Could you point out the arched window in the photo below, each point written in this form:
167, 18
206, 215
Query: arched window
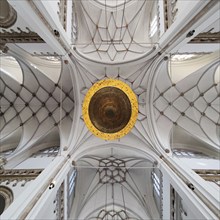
71, 188
47, 152
153, 20
189, 154
156, 177
6, 198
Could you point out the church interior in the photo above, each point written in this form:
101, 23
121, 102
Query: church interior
109, 109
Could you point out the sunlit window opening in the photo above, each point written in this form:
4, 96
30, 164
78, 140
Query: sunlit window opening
153, 26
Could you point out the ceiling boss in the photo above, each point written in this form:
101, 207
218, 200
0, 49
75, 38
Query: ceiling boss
110, 109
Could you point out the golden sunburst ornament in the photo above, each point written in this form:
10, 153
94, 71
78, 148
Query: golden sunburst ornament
110, 109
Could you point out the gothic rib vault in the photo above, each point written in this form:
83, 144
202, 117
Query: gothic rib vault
47, 72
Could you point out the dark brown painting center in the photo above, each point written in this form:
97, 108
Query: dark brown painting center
109, 110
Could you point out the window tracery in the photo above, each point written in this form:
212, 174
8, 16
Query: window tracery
71, 188
154, 20
188, 153
48, 152
156, 177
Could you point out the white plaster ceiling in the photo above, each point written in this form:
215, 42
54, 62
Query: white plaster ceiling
136, 77
43, 107
113, 34
192, 103
36, 105
116, 185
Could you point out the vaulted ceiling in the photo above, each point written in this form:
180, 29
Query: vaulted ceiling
113, 31
44, 81
36, 100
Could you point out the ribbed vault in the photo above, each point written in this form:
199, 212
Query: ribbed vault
37, 107
192, 103
116, 31
40, 107
116, 185
136, 76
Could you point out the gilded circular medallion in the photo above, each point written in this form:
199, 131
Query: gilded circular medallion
110, 109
